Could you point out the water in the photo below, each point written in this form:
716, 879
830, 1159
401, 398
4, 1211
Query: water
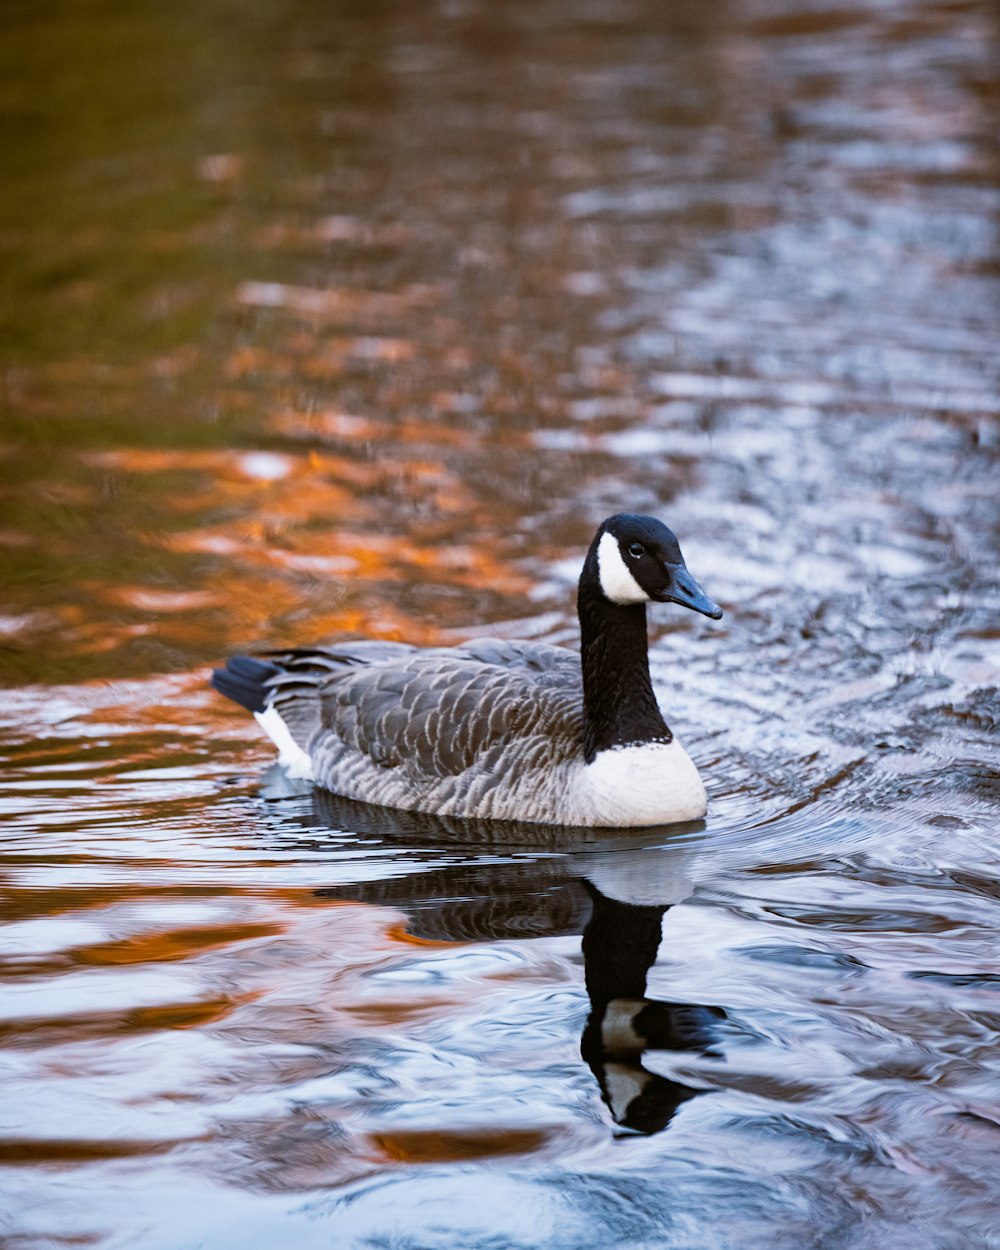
333, 319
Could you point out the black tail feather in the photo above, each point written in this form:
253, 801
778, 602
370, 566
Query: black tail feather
245, 681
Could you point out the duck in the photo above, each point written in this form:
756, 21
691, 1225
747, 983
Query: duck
497, 729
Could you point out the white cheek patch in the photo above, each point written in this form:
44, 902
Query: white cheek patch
617, 581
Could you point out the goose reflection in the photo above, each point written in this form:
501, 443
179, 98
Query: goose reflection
620, 944
614, 890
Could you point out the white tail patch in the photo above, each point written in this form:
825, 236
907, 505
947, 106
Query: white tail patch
291, 757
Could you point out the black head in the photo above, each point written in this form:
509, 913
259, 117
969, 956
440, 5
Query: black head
636, 559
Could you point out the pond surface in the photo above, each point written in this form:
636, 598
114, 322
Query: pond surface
326, 320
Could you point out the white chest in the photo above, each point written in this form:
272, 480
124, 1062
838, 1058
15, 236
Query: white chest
651, 784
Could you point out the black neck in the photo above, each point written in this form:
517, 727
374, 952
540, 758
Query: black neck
619, 706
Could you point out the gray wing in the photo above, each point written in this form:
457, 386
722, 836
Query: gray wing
437, 712
297, 689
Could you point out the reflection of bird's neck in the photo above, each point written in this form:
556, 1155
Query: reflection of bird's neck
620, 708
619, 947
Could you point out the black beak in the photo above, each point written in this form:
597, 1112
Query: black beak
683, 589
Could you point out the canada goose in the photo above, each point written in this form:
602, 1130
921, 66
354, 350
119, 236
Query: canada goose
495, 729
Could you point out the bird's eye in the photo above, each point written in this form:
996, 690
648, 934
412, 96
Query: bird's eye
636, 550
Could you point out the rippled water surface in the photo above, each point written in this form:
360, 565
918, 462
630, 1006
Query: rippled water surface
327, 319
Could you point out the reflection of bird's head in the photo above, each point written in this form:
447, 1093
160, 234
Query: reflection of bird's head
641, 1100
615, 1038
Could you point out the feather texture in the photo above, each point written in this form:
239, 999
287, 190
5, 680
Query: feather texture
494, 729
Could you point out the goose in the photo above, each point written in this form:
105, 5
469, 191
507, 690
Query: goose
496, 729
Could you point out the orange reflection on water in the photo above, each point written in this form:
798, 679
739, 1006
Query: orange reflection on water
316, 536
164, 947
325, 425
444, 1147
